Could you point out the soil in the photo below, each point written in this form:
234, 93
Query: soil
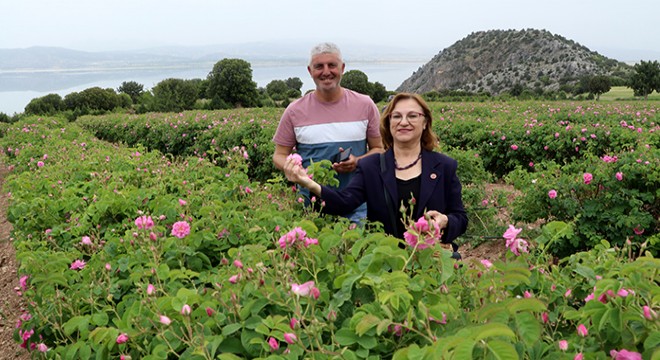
12, 305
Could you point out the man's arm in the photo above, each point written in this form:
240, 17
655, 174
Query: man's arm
280, 154
375, 146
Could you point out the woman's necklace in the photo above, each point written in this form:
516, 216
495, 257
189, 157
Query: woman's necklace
396, 166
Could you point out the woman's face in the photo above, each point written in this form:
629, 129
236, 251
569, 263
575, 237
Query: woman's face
407, 122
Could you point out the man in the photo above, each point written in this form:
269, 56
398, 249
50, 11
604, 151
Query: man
329, 120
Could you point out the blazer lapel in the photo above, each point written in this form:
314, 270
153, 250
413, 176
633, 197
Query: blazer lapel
431, 175
389, 179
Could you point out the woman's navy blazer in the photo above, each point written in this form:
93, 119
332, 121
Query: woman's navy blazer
440, 190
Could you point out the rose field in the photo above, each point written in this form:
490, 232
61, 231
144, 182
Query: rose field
171, 235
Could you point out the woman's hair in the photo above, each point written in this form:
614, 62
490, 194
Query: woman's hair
325, 48
429, 140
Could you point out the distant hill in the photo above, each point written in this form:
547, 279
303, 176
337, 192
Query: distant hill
57, 59
495, 61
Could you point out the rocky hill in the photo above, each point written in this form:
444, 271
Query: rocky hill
495, 61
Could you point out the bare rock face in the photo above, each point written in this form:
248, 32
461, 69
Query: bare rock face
496, 61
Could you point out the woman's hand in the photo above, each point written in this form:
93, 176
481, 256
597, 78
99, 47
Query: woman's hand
438, 218
294, 171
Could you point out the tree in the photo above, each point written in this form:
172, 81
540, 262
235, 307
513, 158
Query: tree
92, 99
277, 90
133, 89
294, 84
598, 84
230, 81
174, 95
50, 104
358, 81
646, 78
379, 92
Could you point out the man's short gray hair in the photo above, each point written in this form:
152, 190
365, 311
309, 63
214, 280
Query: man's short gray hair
325, 48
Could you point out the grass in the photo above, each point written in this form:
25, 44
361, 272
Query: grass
625, 93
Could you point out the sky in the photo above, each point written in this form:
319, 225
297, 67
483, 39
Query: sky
605, 26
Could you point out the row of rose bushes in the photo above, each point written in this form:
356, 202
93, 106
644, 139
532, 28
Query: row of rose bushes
540, 148
129, 253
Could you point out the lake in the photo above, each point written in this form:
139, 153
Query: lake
18, 88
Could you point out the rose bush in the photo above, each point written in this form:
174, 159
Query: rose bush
248, 274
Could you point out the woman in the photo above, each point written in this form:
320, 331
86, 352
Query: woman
409, 176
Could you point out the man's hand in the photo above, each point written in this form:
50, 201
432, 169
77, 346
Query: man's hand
346, 166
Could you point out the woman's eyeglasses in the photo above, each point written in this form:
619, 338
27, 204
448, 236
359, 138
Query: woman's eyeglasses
412, 116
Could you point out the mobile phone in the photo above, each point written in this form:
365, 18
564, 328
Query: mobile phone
343, 155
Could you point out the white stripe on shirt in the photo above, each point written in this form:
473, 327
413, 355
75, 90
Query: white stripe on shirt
333, 132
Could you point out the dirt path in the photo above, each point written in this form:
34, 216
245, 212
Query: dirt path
10, 303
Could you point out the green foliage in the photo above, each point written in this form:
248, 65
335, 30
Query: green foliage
174, 95
133, 89
93, 100
47, 105
646, 78
277, 90
379, 92
358, 81
231, 82
597, 85
294, 84
236, 268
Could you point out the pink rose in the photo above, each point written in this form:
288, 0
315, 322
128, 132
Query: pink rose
582, 330
302, 289
165, 320
273, 343
587, 177
181, 229
563, 345
625, 355
122, 338
296, 158
619, 176
552, 194
185, 310
290, 338
77, 265
511, 233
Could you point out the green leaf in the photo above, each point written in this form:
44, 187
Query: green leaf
586, 272
490, 330
653, 340
81, 323
345, 337
615, 320
367, 342
227, 356
526, 304
72, 351
366, 323
329, 240
529, 328
464, 349
231, 328
383, 325
502, 350
85, 351
103, 335
100, 319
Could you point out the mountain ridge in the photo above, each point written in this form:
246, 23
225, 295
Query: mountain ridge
496, 61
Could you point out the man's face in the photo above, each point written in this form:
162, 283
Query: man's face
326, 71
